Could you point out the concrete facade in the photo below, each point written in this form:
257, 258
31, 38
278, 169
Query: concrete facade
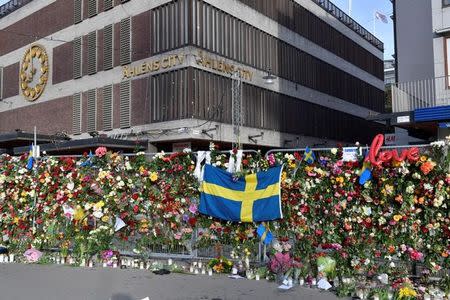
54, 111
414, 40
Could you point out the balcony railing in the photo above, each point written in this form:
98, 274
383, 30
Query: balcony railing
11, 6
349, 22
409, 96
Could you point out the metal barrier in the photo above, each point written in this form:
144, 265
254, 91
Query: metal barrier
329, 149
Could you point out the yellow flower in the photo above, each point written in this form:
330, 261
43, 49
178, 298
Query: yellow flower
99, 205
79, 214
153, 176
397, 218
283, 176
105, 218
406, 292
340, 179
292, 165
423, 158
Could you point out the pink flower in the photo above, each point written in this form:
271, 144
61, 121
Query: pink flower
280, 263
415, 255
193, 208
271, 159
32, 255
100, 151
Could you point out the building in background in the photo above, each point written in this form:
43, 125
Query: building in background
162, 71
389, 72
421, 96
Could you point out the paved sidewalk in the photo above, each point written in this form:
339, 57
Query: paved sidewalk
48, 282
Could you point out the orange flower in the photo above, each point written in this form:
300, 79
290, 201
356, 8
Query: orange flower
427, 167
391, 249
444, 253
399, 198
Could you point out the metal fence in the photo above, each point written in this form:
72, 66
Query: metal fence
11, 6
349, 22
408, 96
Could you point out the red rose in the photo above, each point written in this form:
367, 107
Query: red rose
192, 221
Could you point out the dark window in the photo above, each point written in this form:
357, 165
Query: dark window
77, 11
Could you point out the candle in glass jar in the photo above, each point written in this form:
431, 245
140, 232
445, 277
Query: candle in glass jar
210, 272
313, 281
11, 257
91, 264
196, 271
203, 271
141, 265
191, 269
301, 281
169, 262
105, 264
115, 264
257, 277
200, 264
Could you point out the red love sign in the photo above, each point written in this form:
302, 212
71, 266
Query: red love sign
377, 158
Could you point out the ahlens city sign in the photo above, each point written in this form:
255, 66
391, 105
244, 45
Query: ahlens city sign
222, 66
163, 63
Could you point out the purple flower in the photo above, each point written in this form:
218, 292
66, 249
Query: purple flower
107, 254
193, 208
185, 218
32, 255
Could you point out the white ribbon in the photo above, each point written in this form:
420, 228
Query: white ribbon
235, 165
199, 170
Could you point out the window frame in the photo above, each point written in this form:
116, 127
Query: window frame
444, 4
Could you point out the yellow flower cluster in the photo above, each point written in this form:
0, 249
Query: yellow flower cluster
406, 292
153, 176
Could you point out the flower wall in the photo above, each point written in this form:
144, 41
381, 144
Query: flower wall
401, 214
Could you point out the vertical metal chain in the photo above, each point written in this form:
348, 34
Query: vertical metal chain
236, 94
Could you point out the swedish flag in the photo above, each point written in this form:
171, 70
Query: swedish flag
309, 156
253, 198
30, 161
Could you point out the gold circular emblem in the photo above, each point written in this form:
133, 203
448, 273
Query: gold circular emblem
33, 73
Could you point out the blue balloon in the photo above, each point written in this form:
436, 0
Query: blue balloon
365, 176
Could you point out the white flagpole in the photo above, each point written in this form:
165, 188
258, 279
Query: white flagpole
350, 8
34, 149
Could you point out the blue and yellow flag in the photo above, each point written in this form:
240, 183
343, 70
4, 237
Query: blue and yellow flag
309, 156
253, 198
30, 161
264, 233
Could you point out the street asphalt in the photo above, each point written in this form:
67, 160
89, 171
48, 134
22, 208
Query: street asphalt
48, 282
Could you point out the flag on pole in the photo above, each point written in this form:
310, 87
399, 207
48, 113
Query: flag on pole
252, 198
381, 17
30, 158
309, 156
264, 233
